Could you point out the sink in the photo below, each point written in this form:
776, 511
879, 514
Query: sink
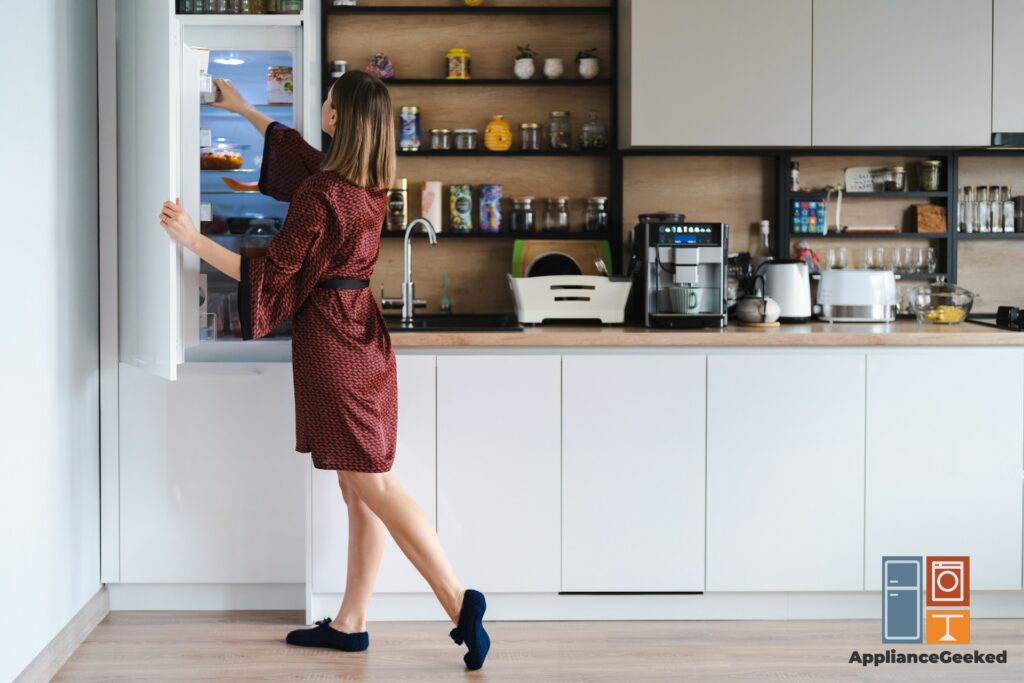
467, 322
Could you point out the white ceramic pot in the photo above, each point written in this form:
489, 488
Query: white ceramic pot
553, 67
588, 67
524, 68
756, 309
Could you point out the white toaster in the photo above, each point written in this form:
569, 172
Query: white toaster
857, 296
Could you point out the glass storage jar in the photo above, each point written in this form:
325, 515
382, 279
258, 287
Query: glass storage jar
559, 134
465, 138
593, 134
595, 218
557, 215
896, 179
521, 218
529, 137
440, 138
929, 175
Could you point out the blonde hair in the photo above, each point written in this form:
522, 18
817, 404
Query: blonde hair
362, 148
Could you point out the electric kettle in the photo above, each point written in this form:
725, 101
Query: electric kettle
789, 284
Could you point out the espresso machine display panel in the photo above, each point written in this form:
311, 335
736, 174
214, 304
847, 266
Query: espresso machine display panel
682, 279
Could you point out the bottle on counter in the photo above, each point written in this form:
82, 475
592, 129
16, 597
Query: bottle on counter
764, 249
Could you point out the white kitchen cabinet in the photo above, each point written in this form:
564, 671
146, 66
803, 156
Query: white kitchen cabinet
785, 463
415, 468
907, 73
633, 482
729, 72
211, 489
1007, 66
944, 457
498, 469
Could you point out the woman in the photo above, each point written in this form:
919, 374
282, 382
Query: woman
318, 269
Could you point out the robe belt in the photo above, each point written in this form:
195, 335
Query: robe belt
343, 283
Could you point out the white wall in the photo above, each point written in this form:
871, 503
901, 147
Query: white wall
49, 389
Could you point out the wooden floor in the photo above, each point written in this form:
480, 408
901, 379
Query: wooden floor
249, 646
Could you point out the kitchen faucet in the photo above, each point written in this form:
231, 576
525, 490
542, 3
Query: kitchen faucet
408, 301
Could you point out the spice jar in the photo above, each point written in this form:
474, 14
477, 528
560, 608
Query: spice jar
929, 175
529, 137
458, 63
440, 138
559, 135
557, 215
595, 219
896, 179
465, 138
521, 218
592, 133
409, 138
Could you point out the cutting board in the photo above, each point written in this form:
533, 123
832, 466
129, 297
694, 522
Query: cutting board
584, 252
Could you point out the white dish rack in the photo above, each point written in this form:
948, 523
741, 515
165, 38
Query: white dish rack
569, 296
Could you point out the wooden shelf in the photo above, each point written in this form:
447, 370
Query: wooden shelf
527, 82
507, 234
871, 235
820, 194
509, 153
463, 9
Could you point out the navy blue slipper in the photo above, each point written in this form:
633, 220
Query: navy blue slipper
470, 629
325, 636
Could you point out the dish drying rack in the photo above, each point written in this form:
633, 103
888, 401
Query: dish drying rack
577, 297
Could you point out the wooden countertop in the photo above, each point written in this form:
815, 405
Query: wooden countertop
815, 334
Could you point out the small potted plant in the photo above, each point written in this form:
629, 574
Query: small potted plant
587, 63
524, 66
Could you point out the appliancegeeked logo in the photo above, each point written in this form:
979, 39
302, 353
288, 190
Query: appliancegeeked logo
926, 600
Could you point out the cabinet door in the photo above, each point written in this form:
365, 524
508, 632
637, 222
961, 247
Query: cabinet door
1007, 66
498, 432
785, 472
729, 72
944, 459
913, 72
414, 467
633, 481
211, 488
149, 149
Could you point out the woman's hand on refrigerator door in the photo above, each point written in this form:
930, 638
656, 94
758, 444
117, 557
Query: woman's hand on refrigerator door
230, 98
178, 224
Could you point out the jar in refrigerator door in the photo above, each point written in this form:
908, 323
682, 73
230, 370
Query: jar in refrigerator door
290, 6
280, 86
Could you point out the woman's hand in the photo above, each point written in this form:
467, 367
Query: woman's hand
231, 99
178, 224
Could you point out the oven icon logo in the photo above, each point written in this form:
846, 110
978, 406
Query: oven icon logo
939, 603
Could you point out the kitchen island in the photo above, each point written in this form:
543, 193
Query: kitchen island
577, 471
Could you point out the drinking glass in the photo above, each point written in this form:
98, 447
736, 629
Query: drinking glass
908, 260
932, 260
841, 261
869, 258
897, 260
880, 258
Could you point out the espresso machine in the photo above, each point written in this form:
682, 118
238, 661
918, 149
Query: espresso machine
680, 269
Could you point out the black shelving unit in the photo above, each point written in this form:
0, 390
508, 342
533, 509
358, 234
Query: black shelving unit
609, 82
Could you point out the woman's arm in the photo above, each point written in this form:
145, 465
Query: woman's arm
178, 224
233, 101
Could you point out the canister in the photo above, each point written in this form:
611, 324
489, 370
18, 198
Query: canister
465, 138
490, 208
522, 214
398, 204
409, 135
461, 208
440, 138
458, 63
430, 202
529, 137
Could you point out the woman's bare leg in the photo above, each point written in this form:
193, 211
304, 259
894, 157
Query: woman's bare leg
366, 537
412, 530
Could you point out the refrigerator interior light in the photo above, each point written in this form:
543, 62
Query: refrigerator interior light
231, 60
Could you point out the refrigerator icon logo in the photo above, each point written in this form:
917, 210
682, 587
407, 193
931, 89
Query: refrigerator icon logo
946, 585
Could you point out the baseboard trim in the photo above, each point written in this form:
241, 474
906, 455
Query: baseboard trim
206, 596
52, 657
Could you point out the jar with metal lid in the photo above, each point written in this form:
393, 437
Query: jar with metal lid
593, 134
440, 138
521, 218
896, 179
559, 134
930, 175
398, 205
557, 215
409, 136
465, 138
595, 218
458, 63
529, 137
